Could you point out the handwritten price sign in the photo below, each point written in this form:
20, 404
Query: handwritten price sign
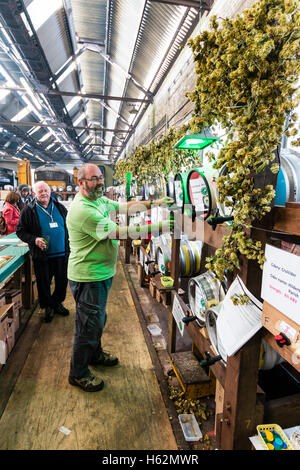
281, 282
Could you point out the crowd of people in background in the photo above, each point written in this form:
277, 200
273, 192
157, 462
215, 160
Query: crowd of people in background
15, 201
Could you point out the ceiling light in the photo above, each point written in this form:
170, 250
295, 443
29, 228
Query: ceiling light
197, 141
21, 114
30, 92
67, 72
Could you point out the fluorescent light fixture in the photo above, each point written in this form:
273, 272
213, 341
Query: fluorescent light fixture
72, 103
3, 94
45, 137
88, 137
21, 114
27, 151
41, 10
39, 158
196, 141
67, 72
33, 130
31, 94
79, 119
9, 81
50, 146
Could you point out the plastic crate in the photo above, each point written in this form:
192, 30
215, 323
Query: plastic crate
262, 428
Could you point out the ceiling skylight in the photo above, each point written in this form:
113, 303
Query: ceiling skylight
41, 10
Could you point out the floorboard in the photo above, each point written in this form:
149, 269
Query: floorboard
128, 414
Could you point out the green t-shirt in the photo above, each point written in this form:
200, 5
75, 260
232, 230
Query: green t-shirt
93, 256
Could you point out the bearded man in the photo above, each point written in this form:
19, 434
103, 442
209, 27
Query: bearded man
92, 264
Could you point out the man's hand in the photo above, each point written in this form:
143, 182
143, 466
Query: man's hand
163, 201
40, 242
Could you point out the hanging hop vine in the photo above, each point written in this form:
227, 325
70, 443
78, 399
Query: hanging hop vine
247, 70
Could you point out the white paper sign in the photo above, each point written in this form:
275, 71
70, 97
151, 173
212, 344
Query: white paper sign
281, 282
178, 314
236, 324
196, 188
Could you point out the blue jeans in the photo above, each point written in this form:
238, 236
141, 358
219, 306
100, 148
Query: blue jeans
90, 298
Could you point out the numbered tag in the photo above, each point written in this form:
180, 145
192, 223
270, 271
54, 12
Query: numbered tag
53, 224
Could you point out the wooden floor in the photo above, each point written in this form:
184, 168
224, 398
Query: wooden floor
128, 414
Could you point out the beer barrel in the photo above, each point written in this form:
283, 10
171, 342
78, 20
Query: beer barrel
189, 256
170, 186
201, 185
204, 291
288, 179
180, 189
211, 328
269, 358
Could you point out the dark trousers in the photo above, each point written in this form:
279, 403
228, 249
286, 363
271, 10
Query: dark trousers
91, 299
44, 273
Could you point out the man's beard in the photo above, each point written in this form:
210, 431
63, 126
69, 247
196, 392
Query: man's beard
96, 192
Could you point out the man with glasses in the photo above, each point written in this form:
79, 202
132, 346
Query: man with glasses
92, 264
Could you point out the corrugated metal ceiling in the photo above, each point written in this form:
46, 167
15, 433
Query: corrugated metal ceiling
120, 48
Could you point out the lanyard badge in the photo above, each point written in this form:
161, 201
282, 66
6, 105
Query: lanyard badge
52, 224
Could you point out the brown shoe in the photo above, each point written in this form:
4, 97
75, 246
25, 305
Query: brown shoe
88, 384
105, 359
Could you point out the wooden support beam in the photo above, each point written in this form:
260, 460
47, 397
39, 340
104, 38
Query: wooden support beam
175, 273
239, 413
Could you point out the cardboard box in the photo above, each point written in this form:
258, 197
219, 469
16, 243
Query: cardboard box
14, 296
7, 332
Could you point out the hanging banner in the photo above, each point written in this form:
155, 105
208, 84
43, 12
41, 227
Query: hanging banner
281, 282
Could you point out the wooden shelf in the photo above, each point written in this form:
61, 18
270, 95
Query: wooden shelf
287, 219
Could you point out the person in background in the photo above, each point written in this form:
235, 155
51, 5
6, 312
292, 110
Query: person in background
92, 266
11, 212
30, 196
42, 225
23, 191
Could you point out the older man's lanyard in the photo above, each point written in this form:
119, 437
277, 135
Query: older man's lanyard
52, 224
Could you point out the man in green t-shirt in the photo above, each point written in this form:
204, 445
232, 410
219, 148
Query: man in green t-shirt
92, 264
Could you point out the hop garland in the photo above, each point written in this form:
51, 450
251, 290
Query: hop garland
247, 70
157, 158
